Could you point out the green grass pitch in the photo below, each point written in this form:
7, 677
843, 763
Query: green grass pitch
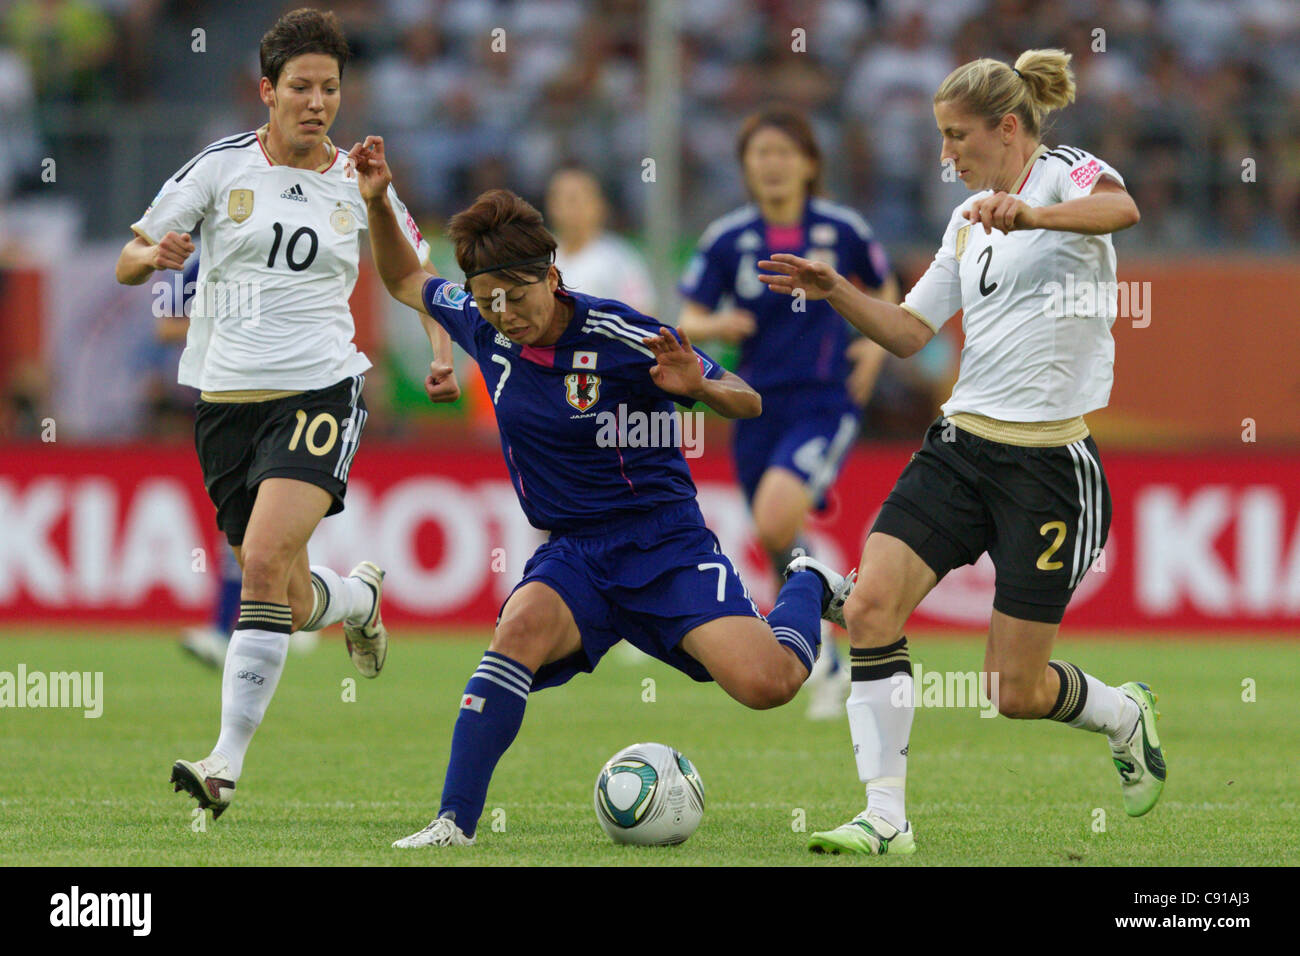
334, 782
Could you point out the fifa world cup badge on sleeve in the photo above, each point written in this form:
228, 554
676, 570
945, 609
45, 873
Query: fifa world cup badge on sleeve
962, 235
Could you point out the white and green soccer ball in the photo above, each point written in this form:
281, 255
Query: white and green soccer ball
649, 795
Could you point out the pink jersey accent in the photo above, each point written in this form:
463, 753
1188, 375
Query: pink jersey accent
621, 470
782, 238
522, 490
542, 356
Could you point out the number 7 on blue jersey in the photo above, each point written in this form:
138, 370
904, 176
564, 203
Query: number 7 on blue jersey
505, 374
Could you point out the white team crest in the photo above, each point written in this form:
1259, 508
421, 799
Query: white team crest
582, 390
240, 206
822, 234
342, 220
748, 240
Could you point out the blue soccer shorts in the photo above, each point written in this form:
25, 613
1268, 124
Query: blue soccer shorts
805, 431
648, 579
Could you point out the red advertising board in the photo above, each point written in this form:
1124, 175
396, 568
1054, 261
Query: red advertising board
126, 534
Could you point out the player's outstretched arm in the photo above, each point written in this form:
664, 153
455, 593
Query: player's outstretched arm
395, 261
677, 370
140, 258
887, 324
731, 325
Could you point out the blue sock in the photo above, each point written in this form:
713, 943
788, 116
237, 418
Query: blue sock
797, 618
491, 711
226, 612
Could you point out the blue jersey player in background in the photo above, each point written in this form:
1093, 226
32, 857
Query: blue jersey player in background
574, 380
812, 371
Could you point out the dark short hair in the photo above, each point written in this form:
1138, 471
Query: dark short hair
298, 32
501, 228
795, 125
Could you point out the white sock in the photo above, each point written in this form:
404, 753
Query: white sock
338, 598
880, 722
1106, 710
254, 663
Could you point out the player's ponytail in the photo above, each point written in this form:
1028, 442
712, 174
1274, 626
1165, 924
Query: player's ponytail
1040, 82
502, 234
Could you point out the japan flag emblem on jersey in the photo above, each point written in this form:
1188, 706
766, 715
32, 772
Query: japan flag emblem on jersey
582, 390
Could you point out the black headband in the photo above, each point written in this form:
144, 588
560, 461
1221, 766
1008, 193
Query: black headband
1017, 73
535, 261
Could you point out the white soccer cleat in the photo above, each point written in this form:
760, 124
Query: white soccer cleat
835, 587
368, 642
443, 831
207, 781
207, 644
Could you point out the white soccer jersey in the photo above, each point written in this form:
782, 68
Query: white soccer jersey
608, 268
279, 260
1037, 304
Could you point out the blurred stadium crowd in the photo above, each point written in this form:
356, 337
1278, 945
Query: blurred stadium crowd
1185, 97
1175, 93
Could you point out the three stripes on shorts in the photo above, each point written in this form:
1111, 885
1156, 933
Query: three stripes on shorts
1089, 528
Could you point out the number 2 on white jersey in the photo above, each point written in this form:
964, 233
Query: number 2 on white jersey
505, 374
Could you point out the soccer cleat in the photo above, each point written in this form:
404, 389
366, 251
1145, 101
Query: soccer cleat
835, 587
207, 781
1138, 758
443, 831
207, 644
868, 833
368, 642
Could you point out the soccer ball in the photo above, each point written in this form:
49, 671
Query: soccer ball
650, 795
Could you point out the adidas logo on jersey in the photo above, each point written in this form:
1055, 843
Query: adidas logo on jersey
502, 341
295, 193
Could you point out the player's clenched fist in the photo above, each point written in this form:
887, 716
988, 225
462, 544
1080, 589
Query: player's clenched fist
172, 251
816, 279
440, 384
367, 161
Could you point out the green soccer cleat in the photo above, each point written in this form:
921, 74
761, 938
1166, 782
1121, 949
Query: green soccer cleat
867, 833
1138, 757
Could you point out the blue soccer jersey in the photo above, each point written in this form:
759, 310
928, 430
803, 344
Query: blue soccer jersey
587, 435
789, 347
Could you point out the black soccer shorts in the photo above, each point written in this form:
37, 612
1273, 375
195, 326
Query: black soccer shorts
1042, 514
311, 436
